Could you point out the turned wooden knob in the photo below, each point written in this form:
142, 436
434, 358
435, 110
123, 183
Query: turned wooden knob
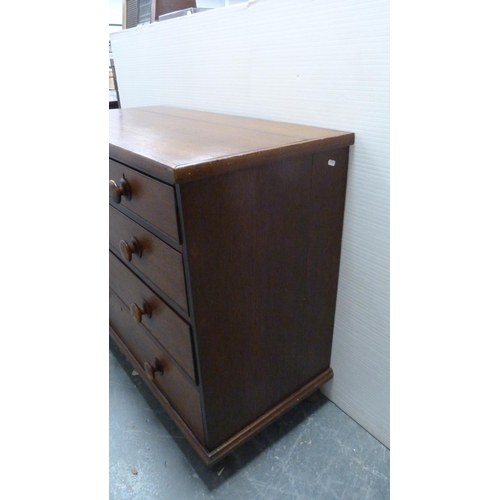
151, 370
138, 312
117, 190
127, 249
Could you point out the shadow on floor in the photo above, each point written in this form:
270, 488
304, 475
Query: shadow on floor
241, 457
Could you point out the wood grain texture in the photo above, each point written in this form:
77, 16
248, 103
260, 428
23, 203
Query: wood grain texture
151, 200
159, 262
173, 384
169, 329
259, 212
267, 418
178, 145
326, 214
212, 457
256, 253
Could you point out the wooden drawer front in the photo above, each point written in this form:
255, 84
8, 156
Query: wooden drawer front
151, 200
181, 393
159, 262
163, 323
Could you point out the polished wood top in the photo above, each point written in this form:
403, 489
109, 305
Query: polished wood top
179, 145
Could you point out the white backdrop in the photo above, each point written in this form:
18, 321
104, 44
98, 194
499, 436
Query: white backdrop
323, 63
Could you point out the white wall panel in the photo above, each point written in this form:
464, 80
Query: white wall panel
323, 63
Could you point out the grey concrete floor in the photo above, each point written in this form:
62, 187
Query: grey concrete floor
314, 452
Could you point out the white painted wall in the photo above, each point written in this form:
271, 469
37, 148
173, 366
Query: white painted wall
323, 63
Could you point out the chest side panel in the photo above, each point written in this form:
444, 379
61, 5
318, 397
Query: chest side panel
246, 240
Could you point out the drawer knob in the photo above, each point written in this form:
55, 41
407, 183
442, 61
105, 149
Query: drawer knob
152, 370
127, 249
116, 191
138, 312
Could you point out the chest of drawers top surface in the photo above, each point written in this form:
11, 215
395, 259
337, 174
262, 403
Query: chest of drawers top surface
178, 145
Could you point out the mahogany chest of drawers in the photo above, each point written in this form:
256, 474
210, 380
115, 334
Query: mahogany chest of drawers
224, 238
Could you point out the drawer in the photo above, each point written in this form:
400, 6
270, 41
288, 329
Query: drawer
147, 308
151, 200
159, 262
157, 365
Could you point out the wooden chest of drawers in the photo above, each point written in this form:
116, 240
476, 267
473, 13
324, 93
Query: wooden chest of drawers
224, 238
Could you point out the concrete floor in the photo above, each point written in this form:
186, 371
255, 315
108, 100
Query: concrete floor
314, 452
